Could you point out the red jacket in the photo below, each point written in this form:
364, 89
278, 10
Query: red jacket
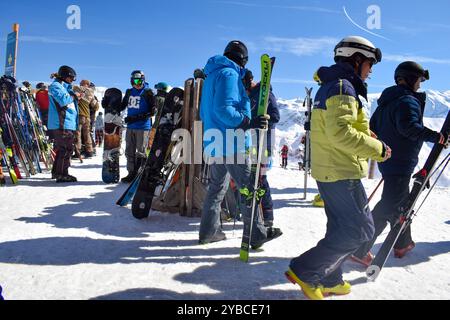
284, 152
42, 100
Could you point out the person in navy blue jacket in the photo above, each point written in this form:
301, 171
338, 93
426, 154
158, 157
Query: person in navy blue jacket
140, 104
225, 106
398, 121
63, 121
253, 90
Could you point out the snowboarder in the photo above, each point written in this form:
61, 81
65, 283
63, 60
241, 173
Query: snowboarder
63, 121
83, 134
253, 90
162, 89
99, 127
140, 103
225, 105
284, 156
341, 144
398, 120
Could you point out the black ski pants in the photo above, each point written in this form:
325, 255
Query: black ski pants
395, 191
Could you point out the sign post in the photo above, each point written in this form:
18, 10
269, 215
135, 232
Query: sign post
11, 51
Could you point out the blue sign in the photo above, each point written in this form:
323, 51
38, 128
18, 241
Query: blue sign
11, 46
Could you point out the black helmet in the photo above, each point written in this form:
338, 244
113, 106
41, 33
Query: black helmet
411, 71
237, 51
67, 72
137, 77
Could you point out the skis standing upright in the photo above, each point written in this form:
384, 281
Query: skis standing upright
307, 157
267, 64
407, 208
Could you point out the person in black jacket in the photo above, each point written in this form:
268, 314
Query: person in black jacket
398, 121
253, 90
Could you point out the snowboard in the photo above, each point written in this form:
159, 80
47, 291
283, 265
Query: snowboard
153, 173
113, 135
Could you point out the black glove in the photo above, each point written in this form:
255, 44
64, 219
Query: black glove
259, 122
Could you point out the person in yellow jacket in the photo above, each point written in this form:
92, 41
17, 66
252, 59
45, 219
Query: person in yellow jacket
341, 144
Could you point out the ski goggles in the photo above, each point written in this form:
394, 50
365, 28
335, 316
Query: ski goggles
137, 82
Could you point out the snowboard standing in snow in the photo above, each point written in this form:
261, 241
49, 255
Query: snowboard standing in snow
266, 73
422, 179
152, 175
113, 135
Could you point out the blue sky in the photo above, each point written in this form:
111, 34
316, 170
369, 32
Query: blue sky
169, 39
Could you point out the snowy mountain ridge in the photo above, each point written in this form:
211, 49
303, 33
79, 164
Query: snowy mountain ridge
290, 129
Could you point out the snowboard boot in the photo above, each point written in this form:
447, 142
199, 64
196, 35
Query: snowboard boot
129, 178
219, 236
310, 291
272, 233
365, 261
65, 179
88, 155
400, 253
340, 290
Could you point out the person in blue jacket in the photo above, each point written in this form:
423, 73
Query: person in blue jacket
140, 104
63, 121
253, 90
398, 121
225, 106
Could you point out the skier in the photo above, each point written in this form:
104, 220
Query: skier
140, 103
63, 121
99, 127
83, 134
226, 106
42, 102
284, 156
253, 90
398, 120
341, 143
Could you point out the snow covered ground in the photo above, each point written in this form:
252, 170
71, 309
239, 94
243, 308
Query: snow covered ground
72, 242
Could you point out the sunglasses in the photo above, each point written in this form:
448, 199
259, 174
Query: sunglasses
138, 82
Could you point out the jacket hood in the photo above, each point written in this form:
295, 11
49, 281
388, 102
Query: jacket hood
341, 70
392, 93
219, 62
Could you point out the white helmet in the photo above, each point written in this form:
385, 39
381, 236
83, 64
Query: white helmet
348, 46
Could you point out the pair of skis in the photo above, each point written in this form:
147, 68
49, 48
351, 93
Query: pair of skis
407, 210
267, 64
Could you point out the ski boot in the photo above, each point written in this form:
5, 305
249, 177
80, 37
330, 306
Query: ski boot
318, 201
400, 253
365, 261
311, 292
340, 290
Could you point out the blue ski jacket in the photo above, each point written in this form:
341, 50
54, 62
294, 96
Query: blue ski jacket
398, 121
63, 108
224, 105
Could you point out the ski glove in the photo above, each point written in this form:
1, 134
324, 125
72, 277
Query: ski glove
444, 139
259, 122
387, 152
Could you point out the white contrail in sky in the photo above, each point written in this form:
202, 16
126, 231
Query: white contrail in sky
364, 29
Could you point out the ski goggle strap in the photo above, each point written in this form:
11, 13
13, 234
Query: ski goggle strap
375, 51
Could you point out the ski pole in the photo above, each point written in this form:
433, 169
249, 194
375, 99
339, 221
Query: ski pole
374, 191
